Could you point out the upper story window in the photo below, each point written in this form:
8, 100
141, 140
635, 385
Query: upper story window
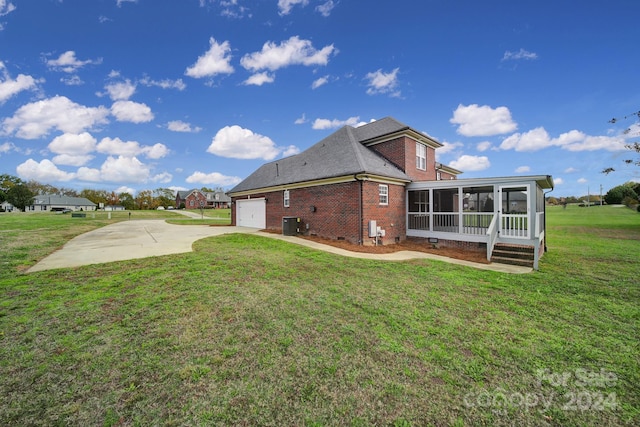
286, 198
383, 191
421, 156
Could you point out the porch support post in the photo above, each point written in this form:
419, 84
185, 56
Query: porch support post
431, 209
460, 210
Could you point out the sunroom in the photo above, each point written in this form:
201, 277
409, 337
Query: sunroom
507, 211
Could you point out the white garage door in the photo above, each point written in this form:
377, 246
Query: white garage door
251, 213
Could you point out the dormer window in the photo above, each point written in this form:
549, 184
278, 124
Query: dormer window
421, 156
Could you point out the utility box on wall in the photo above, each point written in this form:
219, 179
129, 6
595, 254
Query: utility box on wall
373, 228
290, 225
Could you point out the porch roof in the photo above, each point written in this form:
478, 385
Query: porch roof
543, 181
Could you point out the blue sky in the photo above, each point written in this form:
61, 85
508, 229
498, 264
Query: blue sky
128, 95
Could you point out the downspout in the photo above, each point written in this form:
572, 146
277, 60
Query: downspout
360, 214
544, 201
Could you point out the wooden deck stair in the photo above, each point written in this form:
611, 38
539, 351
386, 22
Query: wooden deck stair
513, 254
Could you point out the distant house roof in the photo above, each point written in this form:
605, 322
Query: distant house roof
51, 200
339, 154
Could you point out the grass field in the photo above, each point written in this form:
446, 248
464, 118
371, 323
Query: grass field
248, 330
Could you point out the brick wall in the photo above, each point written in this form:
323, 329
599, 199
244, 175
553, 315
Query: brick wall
402, 153
333, 211
390, 218
196, 197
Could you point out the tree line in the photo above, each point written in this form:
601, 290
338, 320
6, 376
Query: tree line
21, 193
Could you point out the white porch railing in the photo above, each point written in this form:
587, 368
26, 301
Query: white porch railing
419, 221
492, 234
514, 225
539, 223
476, 222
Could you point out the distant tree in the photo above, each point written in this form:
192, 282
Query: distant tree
39, 188
634, 147
113, 199
96, 196
127, 201
617, 194
552, 200
6, 182
145, 200
70, 192
20, 196
164, 197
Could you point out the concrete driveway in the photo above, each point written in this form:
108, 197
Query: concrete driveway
146, 238
129, 240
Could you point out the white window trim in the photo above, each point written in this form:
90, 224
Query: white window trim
286, 198
383, 194
421, 156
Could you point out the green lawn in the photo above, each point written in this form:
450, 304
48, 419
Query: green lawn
248, 330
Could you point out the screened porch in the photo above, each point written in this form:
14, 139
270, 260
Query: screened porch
487, 210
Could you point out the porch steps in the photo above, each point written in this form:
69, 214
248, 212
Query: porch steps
513, 254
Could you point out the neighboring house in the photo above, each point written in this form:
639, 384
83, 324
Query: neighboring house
6, 207
54, 203
379, 184
196, 199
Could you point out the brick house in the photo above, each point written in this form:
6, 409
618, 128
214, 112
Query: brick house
379, 184
195, 199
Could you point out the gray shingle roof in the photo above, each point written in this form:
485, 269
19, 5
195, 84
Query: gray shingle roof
339, 154
47, 199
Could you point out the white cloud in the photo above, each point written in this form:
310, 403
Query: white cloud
129, 111
36, 119
156, 151
164, 84
475, 120
258, 79
215, 61
448, 147
321, 124
523, 169
10, 87
320, 82
121, 91
213, 178
582, 181
73, 149
483, 146
120, 2
570, 170
290, 151
125, 189
6, 7
301, 120
115, 146
7, 147
68, 63
521, 54
45, 171
558, 181
326, 8
285, 6
119, 169
74, 80
468, 163
380, 82
164, 177
239, 143
538, 138
294, 51
180, 126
